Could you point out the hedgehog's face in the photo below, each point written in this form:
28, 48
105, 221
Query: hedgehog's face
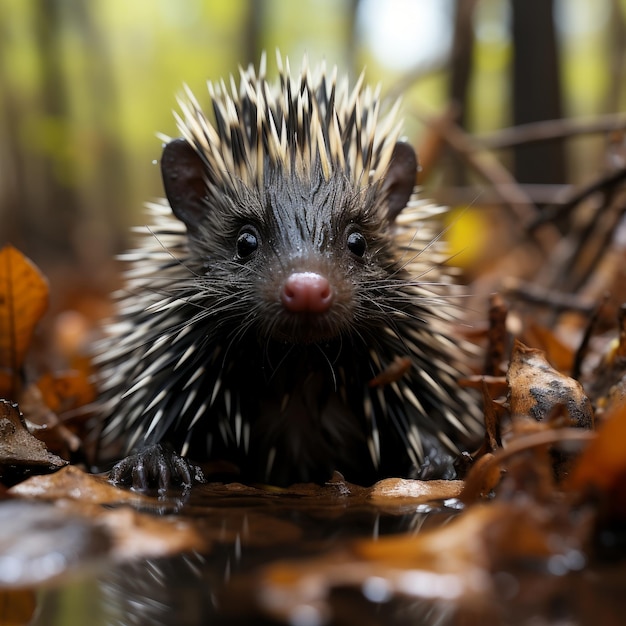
303, 252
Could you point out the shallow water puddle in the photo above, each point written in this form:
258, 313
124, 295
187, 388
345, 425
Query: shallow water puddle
309, 555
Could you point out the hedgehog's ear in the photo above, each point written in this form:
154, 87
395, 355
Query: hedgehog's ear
183, 175
400, 178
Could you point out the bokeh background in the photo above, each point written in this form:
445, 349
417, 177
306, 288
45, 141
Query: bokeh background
86, 85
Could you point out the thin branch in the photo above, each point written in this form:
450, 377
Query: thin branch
486, 166
551, 129
604, 184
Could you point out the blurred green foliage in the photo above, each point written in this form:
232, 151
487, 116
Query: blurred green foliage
85, 87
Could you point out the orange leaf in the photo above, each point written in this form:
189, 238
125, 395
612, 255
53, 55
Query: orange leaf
558, 353
23, 301
17, 606
65, 390
603, 464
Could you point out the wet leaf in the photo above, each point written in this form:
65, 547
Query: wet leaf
73, 483
537, 389
398, 491
40, 542
482, 537
603, 464
18, 447
132, 534
23, 301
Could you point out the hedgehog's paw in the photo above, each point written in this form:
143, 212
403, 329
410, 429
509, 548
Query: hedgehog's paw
157, 467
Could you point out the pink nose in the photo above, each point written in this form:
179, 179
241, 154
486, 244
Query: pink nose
306, 292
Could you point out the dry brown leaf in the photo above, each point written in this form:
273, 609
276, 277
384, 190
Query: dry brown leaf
23, 301
611, 368
496, 385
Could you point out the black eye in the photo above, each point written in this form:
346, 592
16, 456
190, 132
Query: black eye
247, 243
356, 243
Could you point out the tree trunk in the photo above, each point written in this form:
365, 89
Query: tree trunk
536, 89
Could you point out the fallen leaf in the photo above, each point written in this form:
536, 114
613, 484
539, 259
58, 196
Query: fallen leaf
65, 390
45, 424
536, 389
72, 482
403, 491
481, 479
557, 352
18, 448
23, 301
603, 463
133, 534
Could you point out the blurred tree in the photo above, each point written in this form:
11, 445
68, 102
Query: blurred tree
58, 197
616, 44
103, 212
64, 134
84, 86
537, 89
254, 27
461, 69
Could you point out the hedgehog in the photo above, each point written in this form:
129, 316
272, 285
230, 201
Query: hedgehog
288, 313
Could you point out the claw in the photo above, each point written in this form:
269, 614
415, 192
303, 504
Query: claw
157, 467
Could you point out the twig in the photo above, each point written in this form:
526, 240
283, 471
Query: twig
551, 129
605, 183
583, 348
554, 300
486, 165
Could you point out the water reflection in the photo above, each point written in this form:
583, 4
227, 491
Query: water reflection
249, 530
